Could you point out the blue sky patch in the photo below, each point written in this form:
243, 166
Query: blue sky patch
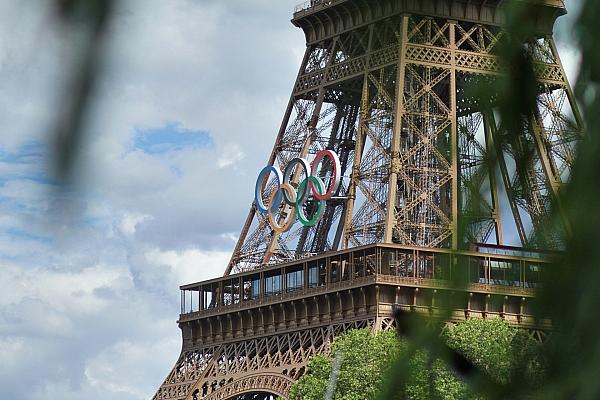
171, 137
28, 153
20, 234
29, 161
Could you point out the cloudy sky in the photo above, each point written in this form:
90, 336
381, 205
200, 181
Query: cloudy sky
186, 111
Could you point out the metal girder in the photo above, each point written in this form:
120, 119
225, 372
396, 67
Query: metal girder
391, 98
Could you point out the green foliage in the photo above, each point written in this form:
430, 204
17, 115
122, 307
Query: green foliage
429, 379
370, 363
570, 296
366, 358
486, 343
498, 349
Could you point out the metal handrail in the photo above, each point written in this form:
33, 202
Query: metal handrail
307, 5
303, 6
330, 287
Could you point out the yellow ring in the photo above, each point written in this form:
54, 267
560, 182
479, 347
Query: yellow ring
292, 215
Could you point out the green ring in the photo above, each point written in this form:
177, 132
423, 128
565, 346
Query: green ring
318, 183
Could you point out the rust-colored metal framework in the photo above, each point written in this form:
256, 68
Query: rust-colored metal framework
256, 331
384, 83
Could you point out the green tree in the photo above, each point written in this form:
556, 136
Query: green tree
366, 359
369, 363
501, 351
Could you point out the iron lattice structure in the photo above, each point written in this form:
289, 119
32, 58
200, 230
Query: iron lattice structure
413, 163
426, 169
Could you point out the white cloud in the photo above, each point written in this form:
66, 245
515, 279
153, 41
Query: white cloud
190, 265
130, 221
89, 276
231, 155
106, 369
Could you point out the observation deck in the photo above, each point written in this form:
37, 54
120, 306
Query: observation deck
324, 18
364, 282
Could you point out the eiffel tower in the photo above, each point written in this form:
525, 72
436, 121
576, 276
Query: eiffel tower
413, 185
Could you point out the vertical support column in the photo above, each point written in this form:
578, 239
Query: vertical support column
549, 168
494, 143
221, 296
378, 325
182, 299
454, 140
395, 149
489, 149
569, 89
359, 146
201, 298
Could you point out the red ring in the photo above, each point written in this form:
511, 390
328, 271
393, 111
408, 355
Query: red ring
335, 183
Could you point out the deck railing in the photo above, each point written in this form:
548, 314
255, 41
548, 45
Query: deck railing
518, 273
307, 5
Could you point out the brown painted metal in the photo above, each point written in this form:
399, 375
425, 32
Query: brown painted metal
238, 340
384, 84
410, 178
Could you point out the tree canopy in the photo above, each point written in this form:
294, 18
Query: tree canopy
366, 362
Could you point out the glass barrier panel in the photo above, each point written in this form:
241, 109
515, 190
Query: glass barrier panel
406, 267
425, 266
193, 300
322, 272
272, 284
313, 275
340, 268
466, 270
209, 298
345, 264
236, 290
251, 288
228, 293
359, 265
482, 266
533, 275
371, 262
295, 280
388, 261
505, 273
335, 271
441, 267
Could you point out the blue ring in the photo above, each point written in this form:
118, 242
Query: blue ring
264, 173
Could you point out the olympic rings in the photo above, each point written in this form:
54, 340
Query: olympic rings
312, 185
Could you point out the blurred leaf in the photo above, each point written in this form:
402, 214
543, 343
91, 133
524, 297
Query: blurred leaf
85, 21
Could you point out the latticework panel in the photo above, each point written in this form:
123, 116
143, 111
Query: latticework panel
270, 363
479, 192
414, 169
370, 178
422, 203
